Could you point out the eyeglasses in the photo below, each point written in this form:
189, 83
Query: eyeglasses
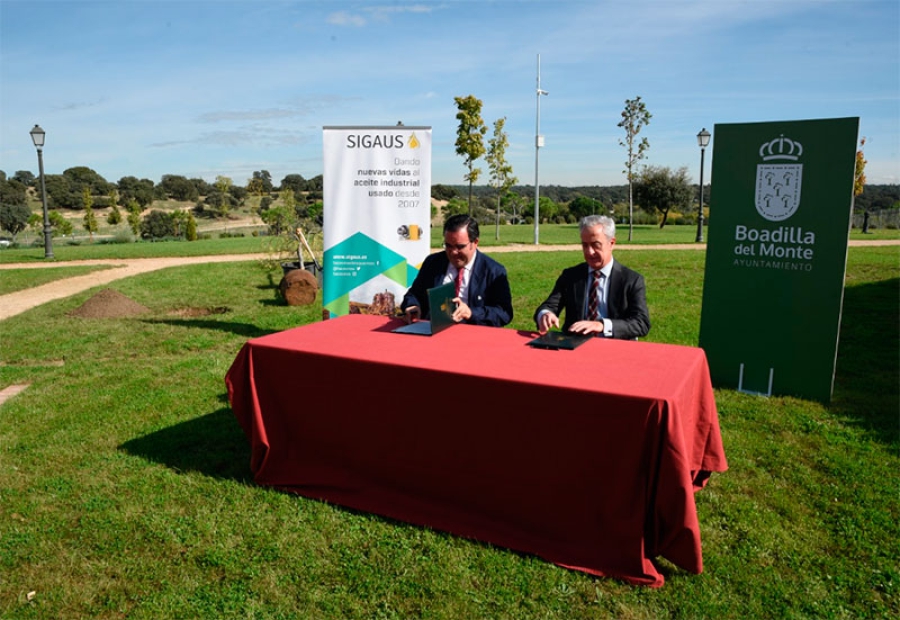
459, 247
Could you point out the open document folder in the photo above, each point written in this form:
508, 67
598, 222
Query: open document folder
440, 300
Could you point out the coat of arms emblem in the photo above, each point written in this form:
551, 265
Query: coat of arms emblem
778, 183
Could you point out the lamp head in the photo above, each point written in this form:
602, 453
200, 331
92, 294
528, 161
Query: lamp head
37, 136
703, 138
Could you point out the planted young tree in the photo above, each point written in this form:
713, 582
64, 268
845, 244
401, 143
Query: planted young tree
90, 219
662, 189
501, 171
223, 185
134, 216
470, 137
114, 217
859, 180
58, 224
190, 228
634, 117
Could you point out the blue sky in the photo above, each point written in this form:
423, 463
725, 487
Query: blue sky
213, 88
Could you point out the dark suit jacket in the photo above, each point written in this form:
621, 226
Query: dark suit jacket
489, 295
626, 302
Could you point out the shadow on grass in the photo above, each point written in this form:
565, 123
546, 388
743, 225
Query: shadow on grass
867, 377
213, 444
247, 330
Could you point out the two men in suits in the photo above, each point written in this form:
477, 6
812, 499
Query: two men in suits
614, 307
483, 296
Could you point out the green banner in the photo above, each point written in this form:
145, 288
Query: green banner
780, 210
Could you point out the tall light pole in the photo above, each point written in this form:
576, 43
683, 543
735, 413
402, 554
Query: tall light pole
37, 136
538, 143
703, 141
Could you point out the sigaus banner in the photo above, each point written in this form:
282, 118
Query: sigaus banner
377, 215
780, 211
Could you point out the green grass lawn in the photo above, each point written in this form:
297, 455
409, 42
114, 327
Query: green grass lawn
125, 488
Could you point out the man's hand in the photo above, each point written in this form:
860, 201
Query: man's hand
412, 314
546, 321
462, 312
587, 327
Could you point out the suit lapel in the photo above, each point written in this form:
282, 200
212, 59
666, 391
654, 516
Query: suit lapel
614, 291
441, 271
475, 280
580, 285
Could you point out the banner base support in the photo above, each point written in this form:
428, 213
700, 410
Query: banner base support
741, 383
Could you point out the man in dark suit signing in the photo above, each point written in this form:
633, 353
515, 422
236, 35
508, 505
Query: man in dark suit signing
482, 286
600, 296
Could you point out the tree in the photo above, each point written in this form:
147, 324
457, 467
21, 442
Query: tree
278, 219
501, 171
261, 182
223, 184
12, 192
25, 177
134, 216
289, 200
582, 206
114, 217
58, 224
255, 187
90, 220
82, 176
178, 187
634, 117
859, 176
294, 182
470, 137
203, 188
660, 188
61, 193
859, 180
157, 225
179, 221
14, 218
190, 228
443, 192
139, 189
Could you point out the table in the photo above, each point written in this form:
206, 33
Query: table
587, 458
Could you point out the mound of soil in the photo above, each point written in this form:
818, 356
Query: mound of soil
109, 304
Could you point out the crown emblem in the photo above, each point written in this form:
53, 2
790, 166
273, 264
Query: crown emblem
781, 148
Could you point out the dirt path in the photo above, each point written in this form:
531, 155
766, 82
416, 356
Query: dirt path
20, 301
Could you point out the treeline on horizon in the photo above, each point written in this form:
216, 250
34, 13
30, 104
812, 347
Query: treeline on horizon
67, 190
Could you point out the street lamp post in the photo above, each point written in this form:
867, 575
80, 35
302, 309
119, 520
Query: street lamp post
37, 136
538, 143
703, 141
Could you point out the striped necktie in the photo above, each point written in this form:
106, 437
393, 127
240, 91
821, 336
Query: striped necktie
594, 302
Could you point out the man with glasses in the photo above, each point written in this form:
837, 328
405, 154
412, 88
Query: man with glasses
599, 296
482, 286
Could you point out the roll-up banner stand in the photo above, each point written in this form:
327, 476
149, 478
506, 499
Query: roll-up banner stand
780, 212
377, 215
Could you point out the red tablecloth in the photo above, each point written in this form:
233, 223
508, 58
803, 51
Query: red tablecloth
588, 458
